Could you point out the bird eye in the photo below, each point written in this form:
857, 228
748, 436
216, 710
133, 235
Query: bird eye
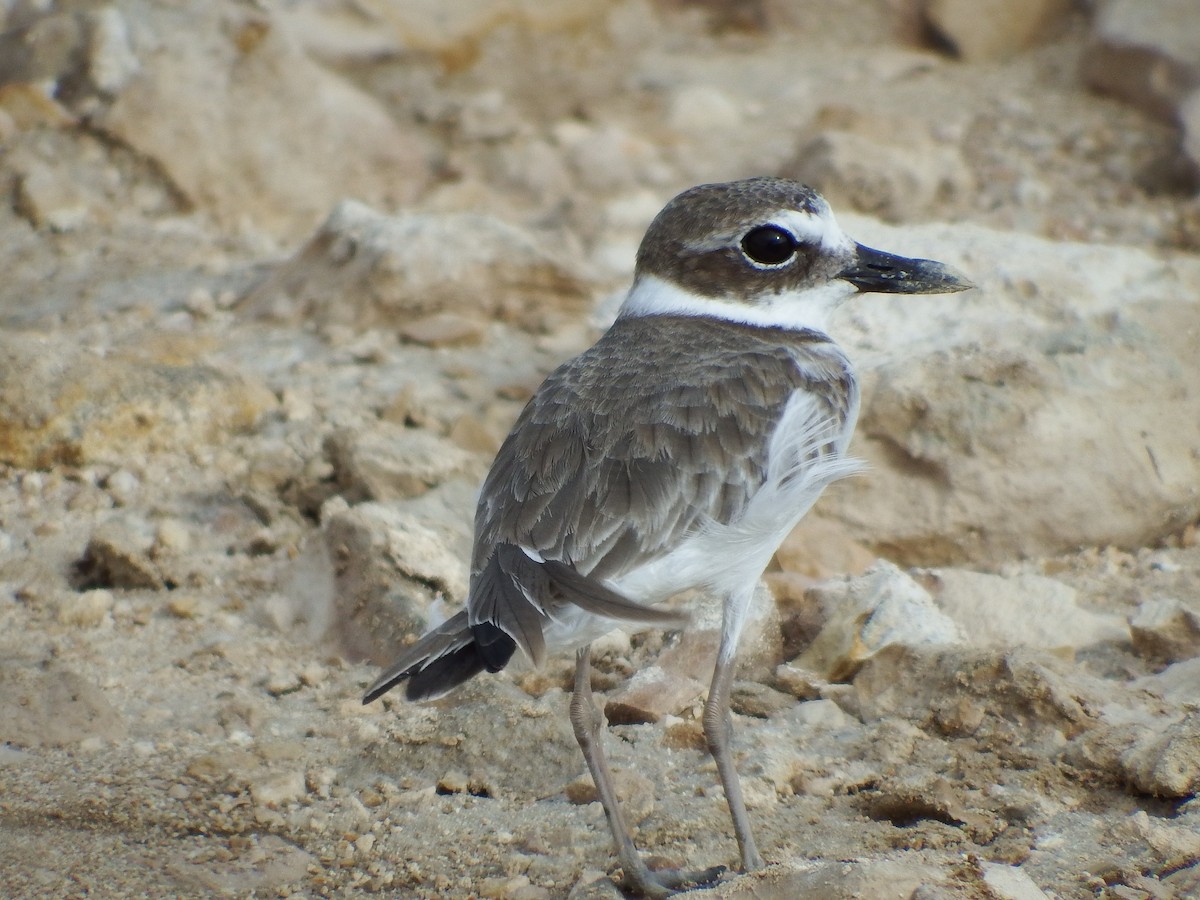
769, 245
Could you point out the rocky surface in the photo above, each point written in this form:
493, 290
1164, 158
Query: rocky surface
277, 279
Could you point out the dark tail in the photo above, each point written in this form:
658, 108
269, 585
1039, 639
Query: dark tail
444, 658
513, 596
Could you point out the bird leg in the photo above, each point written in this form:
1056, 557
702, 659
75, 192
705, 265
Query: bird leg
588, 723
718, 729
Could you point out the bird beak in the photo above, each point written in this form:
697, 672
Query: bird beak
873, 271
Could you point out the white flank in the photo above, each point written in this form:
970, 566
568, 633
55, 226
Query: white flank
806, 309
727, 558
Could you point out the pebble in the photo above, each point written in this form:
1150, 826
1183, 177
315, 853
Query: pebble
85, 610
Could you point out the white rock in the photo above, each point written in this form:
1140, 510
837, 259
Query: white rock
1010, 883
111, 61
1021, 611
880, 608
278, 788
87, 609
390, 462
1176, 684
249, 128
364, 269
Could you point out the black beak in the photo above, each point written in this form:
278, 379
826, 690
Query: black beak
873, 271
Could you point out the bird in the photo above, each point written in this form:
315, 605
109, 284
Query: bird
674, 454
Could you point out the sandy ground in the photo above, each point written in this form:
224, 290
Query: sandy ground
208, 542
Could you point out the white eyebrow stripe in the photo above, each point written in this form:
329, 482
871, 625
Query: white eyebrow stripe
820, 228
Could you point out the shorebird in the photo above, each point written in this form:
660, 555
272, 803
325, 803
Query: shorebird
676, 453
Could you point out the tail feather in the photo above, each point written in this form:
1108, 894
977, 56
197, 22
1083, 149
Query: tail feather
445, 673
513, 599
448, 640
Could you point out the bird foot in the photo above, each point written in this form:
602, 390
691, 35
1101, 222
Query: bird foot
654, 884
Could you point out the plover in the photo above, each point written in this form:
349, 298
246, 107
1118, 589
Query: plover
676, 453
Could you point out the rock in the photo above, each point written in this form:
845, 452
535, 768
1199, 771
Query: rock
822, 548
881, 608
117, 556
1166, 630
363, 269
49, 199
26, 106
390, 462
862, 166
1020, 611
390, 564
87, 609
609, 158
991, 29
694, 652
1010, 883
53, 707
1014, 696
61, 404
749, 698
879, 879
1045, 363
248, 128
274, 789
1147, 52
634, 791
1167, 764
651, 694
110, 58
1176, 684
444, 330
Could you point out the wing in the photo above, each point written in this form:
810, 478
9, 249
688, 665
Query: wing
662, 425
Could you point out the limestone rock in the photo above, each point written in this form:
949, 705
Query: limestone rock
117, 556
1016, 696
204, 105
820, 547
997, 421
880, 879
1021, 611
989, 29
1167, 764
1010, 883
390, 565
61, 405
1166, 629
651, 694
876, 174
881, 608
390, 462
1146, 52
364, 269
53, 707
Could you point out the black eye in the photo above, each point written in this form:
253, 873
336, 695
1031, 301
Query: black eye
769, 245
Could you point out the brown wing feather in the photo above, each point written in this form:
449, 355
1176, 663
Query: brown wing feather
593, 473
